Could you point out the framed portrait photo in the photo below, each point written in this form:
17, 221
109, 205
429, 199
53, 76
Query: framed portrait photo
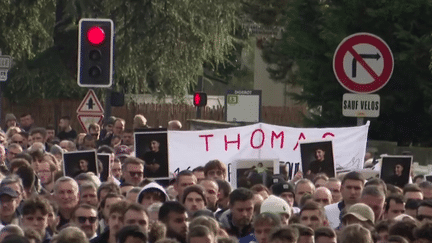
77, 162
317, 158
152, 147
395, 170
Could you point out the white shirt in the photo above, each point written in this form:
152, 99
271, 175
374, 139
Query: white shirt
333, 215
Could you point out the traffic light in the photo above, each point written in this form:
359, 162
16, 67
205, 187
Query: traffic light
200, 99
95, 52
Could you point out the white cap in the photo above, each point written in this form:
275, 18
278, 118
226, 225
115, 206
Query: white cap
274, 204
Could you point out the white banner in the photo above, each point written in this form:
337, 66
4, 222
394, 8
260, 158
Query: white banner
190, 149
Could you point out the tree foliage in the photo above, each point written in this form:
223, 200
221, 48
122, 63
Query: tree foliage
312, 31
160, 46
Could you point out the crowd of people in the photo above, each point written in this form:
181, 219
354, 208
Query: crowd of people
39, 204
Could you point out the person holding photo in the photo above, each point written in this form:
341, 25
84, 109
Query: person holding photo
155, 161
320, 165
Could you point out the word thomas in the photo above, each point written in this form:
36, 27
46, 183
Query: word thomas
280, 137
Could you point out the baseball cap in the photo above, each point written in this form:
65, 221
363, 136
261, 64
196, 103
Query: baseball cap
123, 151
276, 205
110, 120
10, 117
4, 190
362, 212
282, 187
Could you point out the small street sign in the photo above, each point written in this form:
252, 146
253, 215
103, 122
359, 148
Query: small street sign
90, 104
3, 74
243, 106
361, 105
86, 119
5, 62
363, 63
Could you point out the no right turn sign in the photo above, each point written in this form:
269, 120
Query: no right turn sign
363, 63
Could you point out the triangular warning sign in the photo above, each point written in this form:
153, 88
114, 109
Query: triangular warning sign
90, 104
86, 120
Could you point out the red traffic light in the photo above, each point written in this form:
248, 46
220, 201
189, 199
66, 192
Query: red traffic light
200, 99
96, 35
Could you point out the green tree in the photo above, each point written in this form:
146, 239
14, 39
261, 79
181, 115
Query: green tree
160, 46
313, 30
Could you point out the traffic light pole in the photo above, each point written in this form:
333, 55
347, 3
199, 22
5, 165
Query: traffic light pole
200, 88
107, 104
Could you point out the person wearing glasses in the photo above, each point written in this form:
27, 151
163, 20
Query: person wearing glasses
12, 150
156, 163
133, 171
85, 217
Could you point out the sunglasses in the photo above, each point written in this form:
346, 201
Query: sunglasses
82, 220
133, 174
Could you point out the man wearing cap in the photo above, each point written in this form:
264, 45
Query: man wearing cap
277, 205
285, 191
122, 152
194, 199
359, 213
11, 121
9, 204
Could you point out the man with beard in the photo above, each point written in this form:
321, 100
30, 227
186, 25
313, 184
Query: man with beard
136, 214
114, 222
85, 217
173, 215
238, 221
66, 196
211, 188
194, 199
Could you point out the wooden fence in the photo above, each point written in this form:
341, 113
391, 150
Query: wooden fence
47, 112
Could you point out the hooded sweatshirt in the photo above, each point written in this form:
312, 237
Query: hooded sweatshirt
152, 186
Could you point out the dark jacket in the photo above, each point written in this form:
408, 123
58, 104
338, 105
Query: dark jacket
102, 238
226, 223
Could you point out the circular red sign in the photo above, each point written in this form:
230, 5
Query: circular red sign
346, 46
